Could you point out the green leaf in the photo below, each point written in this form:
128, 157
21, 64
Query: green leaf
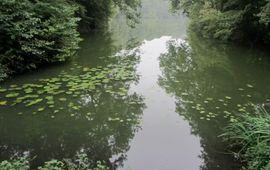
2, 103
10, 95
34, 102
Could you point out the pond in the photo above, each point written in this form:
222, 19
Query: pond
152, 97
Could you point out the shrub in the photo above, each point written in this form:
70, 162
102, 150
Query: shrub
230, 20
21, 164
80, 163
36, 32
96, 13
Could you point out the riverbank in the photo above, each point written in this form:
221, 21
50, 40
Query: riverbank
35, 34
243, 22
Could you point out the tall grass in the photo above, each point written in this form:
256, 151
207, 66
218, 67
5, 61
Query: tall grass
250, 137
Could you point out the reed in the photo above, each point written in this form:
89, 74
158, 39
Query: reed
250, 138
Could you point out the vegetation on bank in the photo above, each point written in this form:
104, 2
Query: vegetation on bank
35, 33
80, 162
95, 13
250, 138
229, 20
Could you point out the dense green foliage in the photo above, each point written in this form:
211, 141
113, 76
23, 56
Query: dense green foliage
96, 13
81, 162
230, 20
20, 163
36, 32
252, 136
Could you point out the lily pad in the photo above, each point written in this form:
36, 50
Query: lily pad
2, 103
63, 99
249, 85
34, 102
3, 90
41, 109
228, 97
10, 95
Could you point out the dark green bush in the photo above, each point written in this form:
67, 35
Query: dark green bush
80, 163
96, 13
18, 164
230, 20
36, 32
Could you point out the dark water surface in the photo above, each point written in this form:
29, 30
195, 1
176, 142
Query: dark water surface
151, 98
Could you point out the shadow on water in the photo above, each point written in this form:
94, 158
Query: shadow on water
156, 21
214, 84
99, 45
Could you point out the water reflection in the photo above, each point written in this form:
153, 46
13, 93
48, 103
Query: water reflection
213, 84
86, 107
155, 21
98, 46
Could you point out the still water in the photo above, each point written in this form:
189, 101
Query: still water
155, 97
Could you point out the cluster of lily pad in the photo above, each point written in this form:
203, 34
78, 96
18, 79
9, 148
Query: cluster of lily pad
225, 107
66, 90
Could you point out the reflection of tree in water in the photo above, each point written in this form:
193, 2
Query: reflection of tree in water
205, 79
104, 133
97, 46
100, 122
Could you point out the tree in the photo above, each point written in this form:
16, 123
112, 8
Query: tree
230, 20
36, 32
96, 13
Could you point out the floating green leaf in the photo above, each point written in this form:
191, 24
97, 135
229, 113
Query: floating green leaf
2, 103
10, 95
34, 102
228, 97
249, 85
3, 90
63, 99
41, 109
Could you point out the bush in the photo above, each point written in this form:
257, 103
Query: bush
215, 24
21, 164
230, 20
36, 32
80, 163
252, 136
96, 13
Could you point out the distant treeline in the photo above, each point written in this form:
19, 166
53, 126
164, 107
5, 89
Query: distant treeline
37, 32
230, 20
